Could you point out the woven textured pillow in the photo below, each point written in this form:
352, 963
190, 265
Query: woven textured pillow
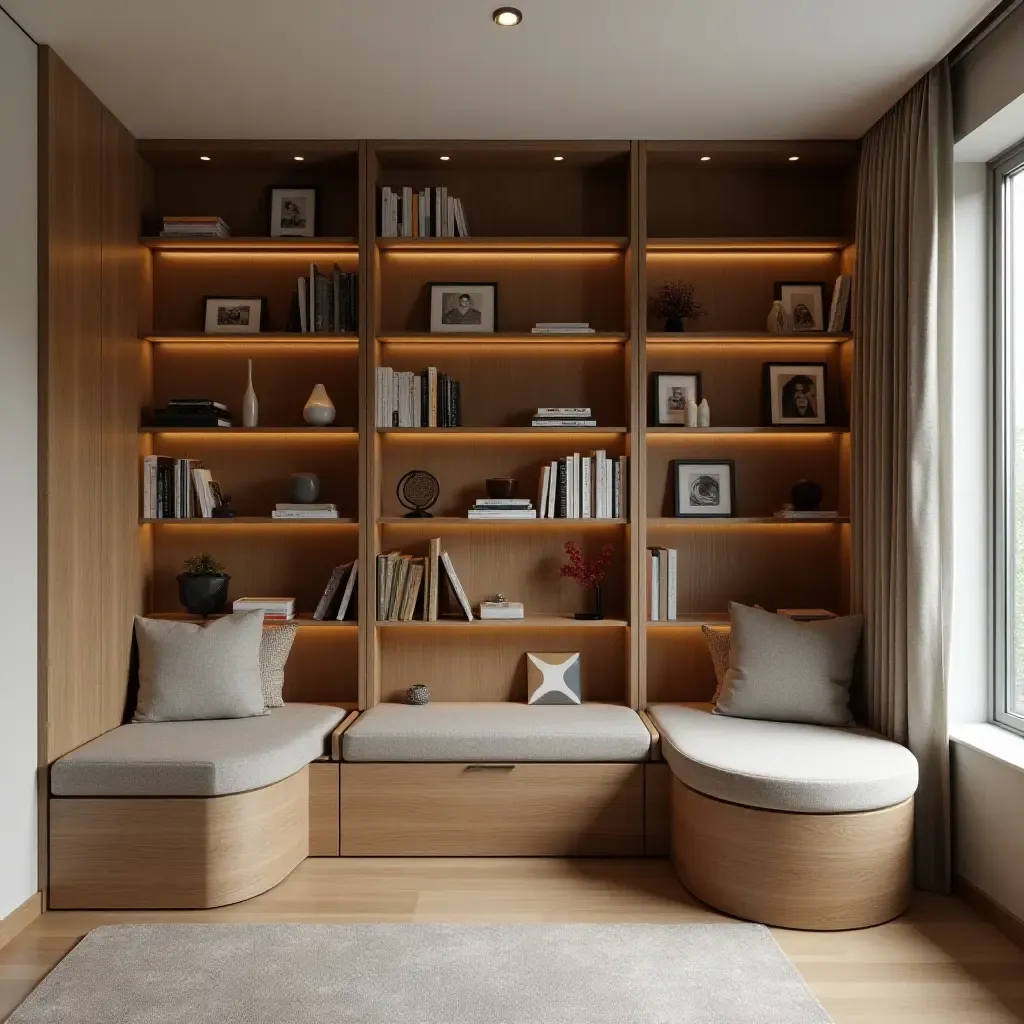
718, 639
275, 647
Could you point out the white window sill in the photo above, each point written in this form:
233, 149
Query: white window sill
998, 743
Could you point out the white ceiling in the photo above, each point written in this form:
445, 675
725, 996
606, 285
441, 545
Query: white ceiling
698, 69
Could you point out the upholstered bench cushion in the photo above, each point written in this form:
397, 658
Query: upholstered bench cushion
809, 769
497, 732
209, 758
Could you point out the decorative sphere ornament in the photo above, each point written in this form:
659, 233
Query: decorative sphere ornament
418, 490
806, 496
305, 487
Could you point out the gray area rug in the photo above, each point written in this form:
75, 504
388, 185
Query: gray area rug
424, 974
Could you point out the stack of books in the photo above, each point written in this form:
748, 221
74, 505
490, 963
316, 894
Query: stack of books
413, 588
286, 510
202, 413
275, 609
177, 489
326, 303
425, 399
502, 508
194, 227
562, 327
339, 596
662, 584
563, 416
502, 610
790, 513
424, 213
585, 487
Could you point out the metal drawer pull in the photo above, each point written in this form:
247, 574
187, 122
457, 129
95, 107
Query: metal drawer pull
490, 767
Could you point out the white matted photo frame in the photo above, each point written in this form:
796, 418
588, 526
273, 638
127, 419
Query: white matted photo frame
292, 212
704, 487
463, 308
230, 315
805, 303
795, 394
669, 394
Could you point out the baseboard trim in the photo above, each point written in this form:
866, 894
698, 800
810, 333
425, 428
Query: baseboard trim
20, 918
1008, 923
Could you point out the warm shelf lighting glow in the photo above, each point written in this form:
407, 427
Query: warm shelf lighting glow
704, 159
507, 17
446, 158
793, 159
559, 159
206, 158
241, 251
299, 158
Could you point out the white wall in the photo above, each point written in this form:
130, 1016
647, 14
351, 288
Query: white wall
18, 461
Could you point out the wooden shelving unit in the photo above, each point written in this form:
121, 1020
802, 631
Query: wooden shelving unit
586, 238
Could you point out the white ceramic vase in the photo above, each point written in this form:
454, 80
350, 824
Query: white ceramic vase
704, 414
692, 414
319, 410
250, 406
780, 321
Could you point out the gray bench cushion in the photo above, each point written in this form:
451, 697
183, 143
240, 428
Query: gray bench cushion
497, 732
209, 758
780, 766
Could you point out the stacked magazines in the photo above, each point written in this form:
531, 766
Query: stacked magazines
562, 327
502, 508
275, 609
284, 510
194, 227
563, 416
419, 588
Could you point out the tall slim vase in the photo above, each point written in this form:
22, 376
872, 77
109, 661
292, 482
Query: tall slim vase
250, 406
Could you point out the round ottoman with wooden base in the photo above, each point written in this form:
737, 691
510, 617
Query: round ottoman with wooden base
797, 826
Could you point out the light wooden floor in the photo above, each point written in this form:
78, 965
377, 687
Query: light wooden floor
941, 963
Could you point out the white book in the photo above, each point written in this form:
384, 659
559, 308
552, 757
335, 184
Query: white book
503, 503
562, 323
609, 495
346, 597
578, 477
444, 212
547, 423
545, 483
571, 488
599, 512
561, 412
673, 565
553, 490
623, 486
451, 217
407, 211
586, 471
655, 587
460, 594
460, 211
505, 514
147, 488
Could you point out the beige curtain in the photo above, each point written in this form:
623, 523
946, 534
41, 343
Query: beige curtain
902, 435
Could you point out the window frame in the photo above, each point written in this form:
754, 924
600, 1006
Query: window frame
1004, 713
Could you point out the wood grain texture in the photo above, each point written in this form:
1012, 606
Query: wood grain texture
339, 732
20, 918
323, 809
826, 872
657, 808
491, 810
190, 852
997, 915
679, 668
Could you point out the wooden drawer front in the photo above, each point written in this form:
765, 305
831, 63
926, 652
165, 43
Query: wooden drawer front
657, 808
323, 809
470, 810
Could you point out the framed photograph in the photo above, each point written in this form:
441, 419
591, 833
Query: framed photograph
463, 308
705, 487
669, 395
795, 394
805, 303
234, 316
293, 212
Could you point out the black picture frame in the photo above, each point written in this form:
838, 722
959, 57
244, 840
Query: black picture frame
773, 416
680, 464
437, 327
780, 286
243, 329
271, 194
654, 396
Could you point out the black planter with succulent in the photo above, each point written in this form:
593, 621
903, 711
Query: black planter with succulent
676, 302
203, 585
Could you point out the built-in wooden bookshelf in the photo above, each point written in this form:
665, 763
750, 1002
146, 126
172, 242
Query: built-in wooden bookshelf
589, 237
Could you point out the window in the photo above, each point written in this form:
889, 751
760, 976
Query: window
1008, 190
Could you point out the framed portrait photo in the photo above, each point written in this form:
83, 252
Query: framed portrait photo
805, 303
705, 487
234, 316
463, 308
293, 212
795, 394
669, 395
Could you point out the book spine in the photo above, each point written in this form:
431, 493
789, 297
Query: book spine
673, 565
655, 601
562, 503
585, 487
553, 490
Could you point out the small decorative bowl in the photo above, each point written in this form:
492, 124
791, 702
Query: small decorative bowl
502, 487
417, 695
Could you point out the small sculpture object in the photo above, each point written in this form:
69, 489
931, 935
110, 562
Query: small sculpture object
806, 496
417, 695
305, 487
704, 414
250, 406
692, 413
319, 410
780, 320
418, 490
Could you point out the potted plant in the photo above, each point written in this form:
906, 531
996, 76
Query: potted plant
676, 303
588, 573
203, 585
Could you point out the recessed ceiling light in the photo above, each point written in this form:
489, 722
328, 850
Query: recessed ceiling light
446, 158
506, 17
204, 158
559, 158
793, 159
704, 159
299, 158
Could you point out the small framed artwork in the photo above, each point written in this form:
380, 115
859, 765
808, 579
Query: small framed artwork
705, 487
669, 395
463, 308
795, 394
293, 212
234, 316
805, 303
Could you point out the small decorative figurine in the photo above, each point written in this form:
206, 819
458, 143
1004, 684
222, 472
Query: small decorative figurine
780, 320
704, 414
692, 413
417, 491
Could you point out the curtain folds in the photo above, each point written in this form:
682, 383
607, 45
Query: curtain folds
902, 436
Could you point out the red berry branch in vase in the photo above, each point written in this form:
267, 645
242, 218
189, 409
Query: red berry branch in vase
588, 573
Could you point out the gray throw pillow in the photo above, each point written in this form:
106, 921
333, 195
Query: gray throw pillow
781, 670
189, 672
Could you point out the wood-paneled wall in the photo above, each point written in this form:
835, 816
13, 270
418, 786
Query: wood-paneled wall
90, 381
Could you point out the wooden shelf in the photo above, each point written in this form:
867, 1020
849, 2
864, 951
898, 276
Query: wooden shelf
266, 338
690, 521
251, 244
448, 521
661, 433
303, 620
744, 338
691, 621
530, 622
500, 431
244, 520
506, 244
764, 244
257, 431
502, 338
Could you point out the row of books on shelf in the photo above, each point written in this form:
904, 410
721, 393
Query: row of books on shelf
178, 489
421, 213
411, 587
326, 303
662, 584
594, 486
425, 399
195, 227
339, 600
